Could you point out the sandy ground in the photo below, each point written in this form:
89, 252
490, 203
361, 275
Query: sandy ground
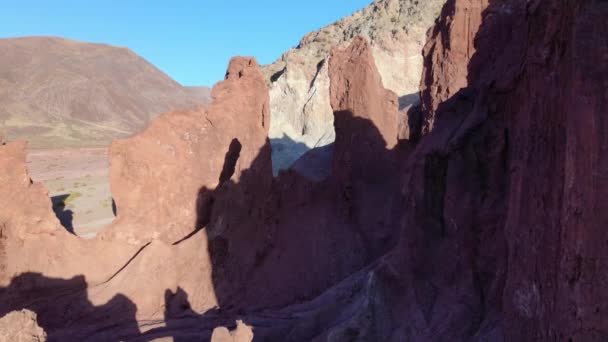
78, 185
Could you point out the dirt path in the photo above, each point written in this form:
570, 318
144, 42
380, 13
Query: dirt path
78, 185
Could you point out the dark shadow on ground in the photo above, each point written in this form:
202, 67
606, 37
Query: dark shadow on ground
64, 215
64, 311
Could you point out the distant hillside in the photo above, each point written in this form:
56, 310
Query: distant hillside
57, 92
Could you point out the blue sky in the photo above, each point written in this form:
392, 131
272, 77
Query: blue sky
190, 40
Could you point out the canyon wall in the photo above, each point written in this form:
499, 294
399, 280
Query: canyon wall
302, 116
150, 265
486, 227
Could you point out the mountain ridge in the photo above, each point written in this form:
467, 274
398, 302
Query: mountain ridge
61, 92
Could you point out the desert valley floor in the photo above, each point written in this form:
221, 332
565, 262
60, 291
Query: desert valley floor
78, 185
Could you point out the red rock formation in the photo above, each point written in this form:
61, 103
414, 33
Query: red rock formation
502, 234
365, 114
242, 333
156, 175
356, 87
551, 88
137, 268
259, 236
66, 279
447, 54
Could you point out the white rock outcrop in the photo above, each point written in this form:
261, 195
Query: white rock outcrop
301, 116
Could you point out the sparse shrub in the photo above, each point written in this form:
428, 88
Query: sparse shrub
72, 197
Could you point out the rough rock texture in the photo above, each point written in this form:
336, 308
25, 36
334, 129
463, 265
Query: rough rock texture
302, 117
490, 227
92, 284
557, 261
21, 326
156, 175
503, 207
141, 270
448, 52
59, 92
260, 235
242, 333
356, 87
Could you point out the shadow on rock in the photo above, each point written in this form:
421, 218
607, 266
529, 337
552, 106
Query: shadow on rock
64, 311
275, 242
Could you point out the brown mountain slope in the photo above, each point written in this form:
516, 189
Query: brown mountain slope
59, 92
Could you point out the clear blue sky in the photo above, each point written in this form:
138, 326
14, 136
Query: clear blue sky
190, 40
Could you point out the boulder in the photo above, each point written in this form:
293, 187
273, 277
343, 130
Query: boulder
21, 326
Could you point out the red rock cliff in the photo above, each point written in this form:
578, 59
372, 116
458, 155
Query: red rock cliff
491, 227
156, 175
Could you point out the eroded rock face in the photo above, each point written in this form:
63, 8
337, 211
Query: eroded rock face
447, 55
21, 326
90, 283
356, 88
302, 117
504, 210
26, 204
489, 228
153, 263
259, 237
156, 175
501, 209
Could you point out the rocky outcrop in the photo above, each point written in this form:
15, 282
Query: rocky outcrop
258, 236
490, 227
447, 55
153, 263
25, 204
156, 175
242, 333
500, 236
302, 117
21, 326
92, 284
356, 88
501, 200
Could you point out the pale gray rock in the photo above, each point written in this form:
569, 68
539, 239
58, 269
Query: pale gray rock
301, 117
21, 326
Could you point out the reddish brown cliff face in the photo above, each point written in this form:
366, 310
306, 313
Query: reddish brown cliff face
490, 227
447, 54
156, 175
507, 184
275, 246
